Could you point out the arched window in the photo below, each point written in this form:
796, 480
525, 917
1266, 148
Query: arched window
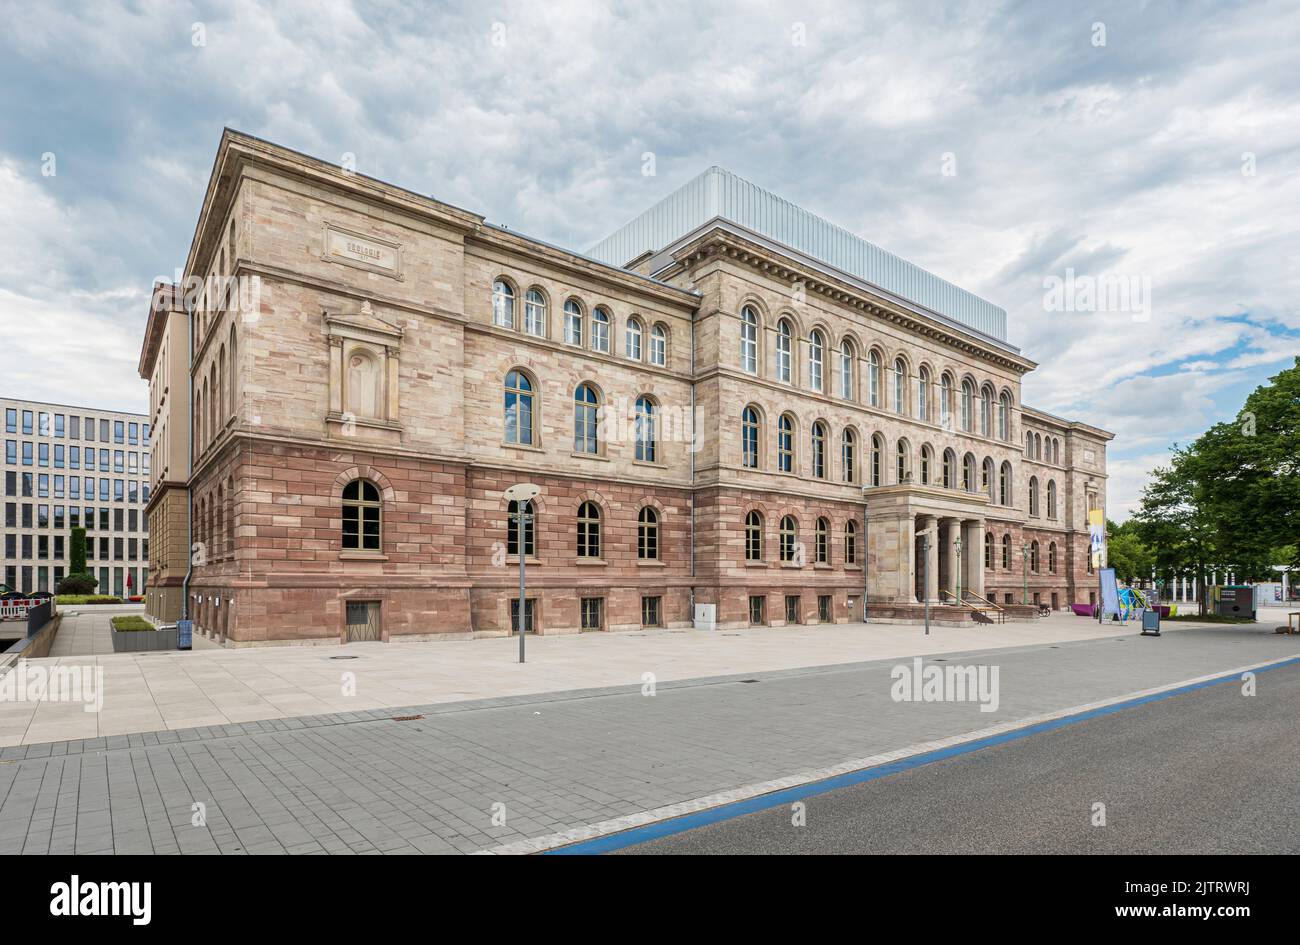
789, 537
1051, 558
851, 542
927, 464
816, 357
572, 323
1004, 484
361, 516
988, 479
949, 469
586, 413
1033, 556
748, 340
902, 456
846, 369
784, 347
873, 378
849, 455
1038, 446
1033, 495
923, 394
658, 346
753, 536
1029, 444
503, 304
647, 534
600, 331
512, 529
988, 550
519, 408
900, 386
1056, 452
234, 368
647, 437
785, 444
749, 438
819, 450
967, 405
1051, 498
1006, 552
632, 339
968, 473
986, 411
822, 541
945, 401
589, 530
1004, 417
877, 459
535, 313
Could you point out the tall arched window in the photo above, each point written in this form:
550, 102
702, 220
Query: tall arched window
851, 542
753, 536
1004, 417
819, 450
535, 313
1033, 495
749, 438
988, 550
748, 340
658, 346
234, 374
1051, 558
902, 455
927, 464
816, 358
519, 408
822, 541
789, 537
1051, 498
967, 405
949, 469
877, 459
986, 411
846, 369
785, 444
873, 378
647, 437
503, 304
647, 534
1033, 556
899, 386
923, 394
1006, 552
945, 401
589, 530
586, 413
600, 331
572, 323
988, 479
362, 516
1004, 484
848, 455
632, 339
784, 349
968, 473
512, 529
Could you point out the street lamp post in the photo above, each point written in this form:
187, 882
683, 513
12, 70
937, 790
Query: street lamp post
957, 544
925, 578
521, 494
1024, 569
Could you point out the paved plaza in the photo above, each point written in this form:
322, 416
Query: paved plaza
501, 773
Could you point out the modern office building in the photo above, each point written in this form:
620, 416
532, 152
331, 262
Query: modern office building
164, 363
729, 404
75, 466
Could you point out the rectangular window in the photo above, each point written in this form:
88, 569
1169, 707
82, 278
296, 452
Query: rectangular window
824, 608
530, 611
58, 456
792, 608
27, 422
74, 428
43, 454
119, 431
42, 547
27, 454
117, 461
11, 426
650, 612
58, 426
591, 613
43, 486
756, 604
133, 434
46, 428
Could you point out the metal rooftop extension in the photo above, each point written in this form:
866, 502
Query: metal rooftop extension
717, 193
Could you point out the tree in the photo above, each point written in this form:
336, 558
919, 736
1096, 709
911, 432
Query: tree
78, 579
1127, 553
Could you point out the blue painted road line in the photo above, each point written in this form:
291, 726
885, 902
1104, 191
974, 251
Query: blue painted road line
665, 828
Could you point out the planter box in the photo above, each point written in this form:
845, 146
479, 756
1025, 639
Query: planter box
135, 641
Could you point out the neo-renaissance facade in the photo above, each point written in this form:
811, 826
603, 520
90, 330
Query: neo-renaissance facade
728, 405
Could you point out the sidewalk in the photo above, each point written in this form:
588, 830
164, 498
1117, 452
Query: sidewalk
172, 690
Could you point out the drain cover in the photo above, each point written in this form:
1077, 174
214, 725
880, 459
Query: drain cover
407, 718
749, 680
344, 657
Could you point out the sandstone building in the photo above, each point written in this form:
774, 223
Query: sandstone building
728, 402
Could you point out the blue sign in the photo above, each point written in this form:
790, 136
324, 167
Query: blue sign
184, 634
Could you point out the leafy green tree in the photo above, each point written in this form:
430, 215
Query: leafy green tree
1127, 553
78, 579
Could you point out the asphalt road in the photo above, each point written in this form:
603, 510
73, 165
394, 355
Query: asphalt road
1208, 771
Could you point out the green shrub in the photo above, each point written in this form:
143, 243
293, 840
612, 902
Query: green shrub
77, 583
131, 622
77, 555
77, 599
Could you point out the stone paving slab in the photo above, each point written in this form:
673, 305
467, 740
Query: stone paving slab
362, 782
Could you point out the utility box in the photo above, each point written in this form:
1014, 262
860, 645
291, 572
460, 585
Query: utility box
706, 616
1235, 600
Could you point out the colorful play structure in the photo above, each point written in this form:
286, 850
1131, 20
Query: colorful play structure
1131, 601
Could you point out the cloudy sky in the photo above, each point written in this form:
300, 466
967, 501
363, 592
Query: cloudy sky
1155, 147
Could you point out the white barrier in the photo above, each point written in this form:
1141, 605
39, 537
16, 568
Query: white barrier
16, 609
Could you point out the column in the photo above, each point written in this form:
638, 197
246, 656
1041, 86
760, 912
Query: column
973, 553
952, 530
932, 558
